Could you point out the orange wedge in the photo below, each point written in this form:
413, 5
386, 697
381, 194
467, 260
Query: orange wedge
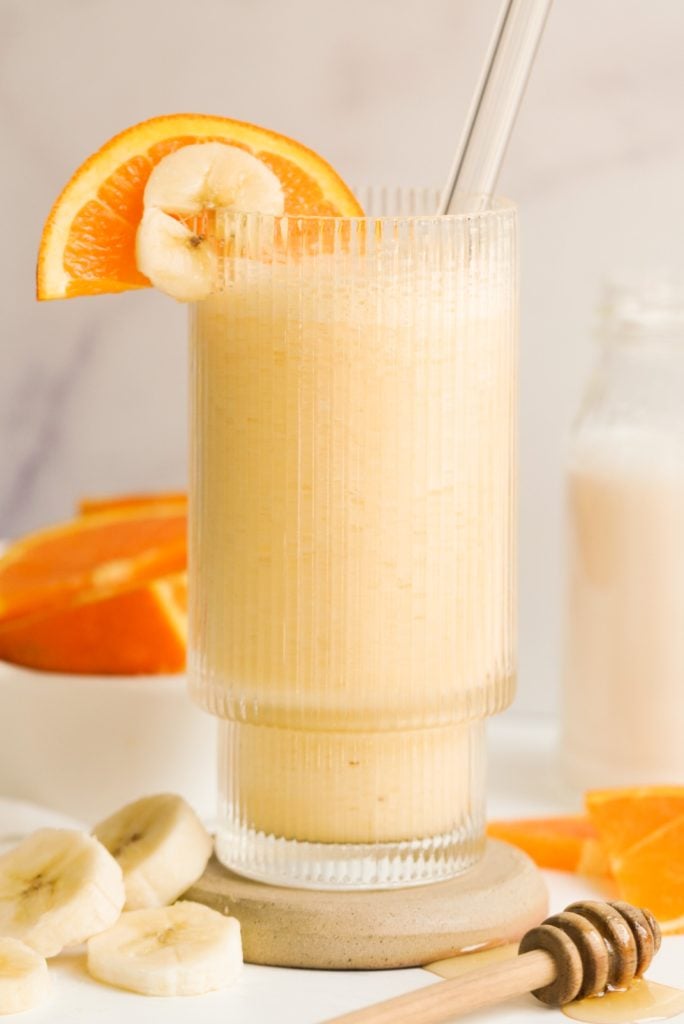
651, 874
556, 843
127, 502
88, 244
623, 817
141, 631
90, 558
594, 861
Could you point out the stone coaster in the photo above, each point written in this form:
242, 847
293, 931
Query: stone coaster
496, 901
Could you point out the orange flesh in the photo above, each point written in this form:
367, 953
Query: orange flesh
623, 817
651, 874
556, 843
142, 631
90, 558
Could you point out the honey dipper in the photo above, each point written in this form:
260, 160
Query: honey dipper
588, 948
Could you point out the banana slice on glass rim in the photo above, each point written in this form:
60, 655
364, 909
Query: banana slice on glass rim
57, 888
184, 184
24, 981
161, 846
184, 950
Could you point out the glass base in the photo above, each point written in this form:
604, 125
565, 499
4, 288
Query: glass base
343, 866
350, 810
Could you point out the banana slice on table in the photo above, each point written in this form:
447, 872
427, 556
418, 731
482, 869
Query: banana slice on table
183, 950
161, 845
57, 888
24, 981
196, 178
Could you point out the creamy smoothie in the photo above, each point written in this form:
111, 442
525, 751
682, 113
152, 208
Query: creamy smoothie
624, 675
352, 538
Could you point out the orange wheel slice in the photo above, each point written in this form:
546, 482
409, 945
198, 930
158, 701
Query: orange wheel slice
90, 558
88, 243
141, 631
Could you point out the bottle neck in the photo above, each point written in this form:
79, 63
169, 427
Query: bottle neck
632, 413
645, 315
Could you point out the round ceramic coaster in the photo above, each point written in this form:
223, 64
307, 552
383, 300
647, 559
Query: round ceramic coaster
496, 901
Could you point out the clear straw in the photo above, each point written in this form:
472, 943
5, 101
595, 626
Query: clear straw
481, 151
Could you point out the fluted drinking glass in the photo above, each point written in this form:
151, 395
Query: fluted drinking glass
352, 536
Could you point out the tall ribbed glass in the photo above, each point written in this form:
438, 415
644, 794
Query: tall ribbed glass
352, 537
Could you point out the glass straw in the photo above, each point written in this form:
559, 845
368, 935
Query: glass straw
490, 121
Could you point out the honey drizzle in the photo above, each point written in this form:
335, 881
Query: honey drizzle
467, 961
642, 1001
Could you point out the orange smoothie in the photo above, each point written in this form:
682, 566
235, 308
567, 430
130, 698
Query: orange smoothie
352, 542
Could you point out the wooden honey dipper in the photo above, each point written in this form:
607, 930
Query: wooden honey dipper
590, 947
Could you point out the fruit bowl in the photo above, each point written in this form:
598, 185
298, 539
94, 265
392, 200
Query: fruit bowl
83, 744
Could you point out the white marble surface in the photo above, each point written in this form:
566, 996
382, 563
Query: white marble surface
92, 392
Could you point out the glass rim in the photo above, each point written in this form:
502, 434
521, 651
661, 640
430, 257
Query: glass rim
498, 206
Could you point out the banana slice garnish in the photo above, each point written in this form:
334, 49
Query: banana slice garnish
161, 846
177, 261
183, 950
57, 888
205, 176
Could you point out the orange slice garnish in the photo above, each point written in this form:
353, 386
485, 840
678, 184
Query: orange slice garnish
88, 244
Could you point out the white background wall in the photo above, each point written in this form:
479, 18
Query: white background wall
92, 392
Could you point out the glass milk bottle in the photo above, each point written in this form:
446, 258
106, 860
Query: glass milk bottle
623, 713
